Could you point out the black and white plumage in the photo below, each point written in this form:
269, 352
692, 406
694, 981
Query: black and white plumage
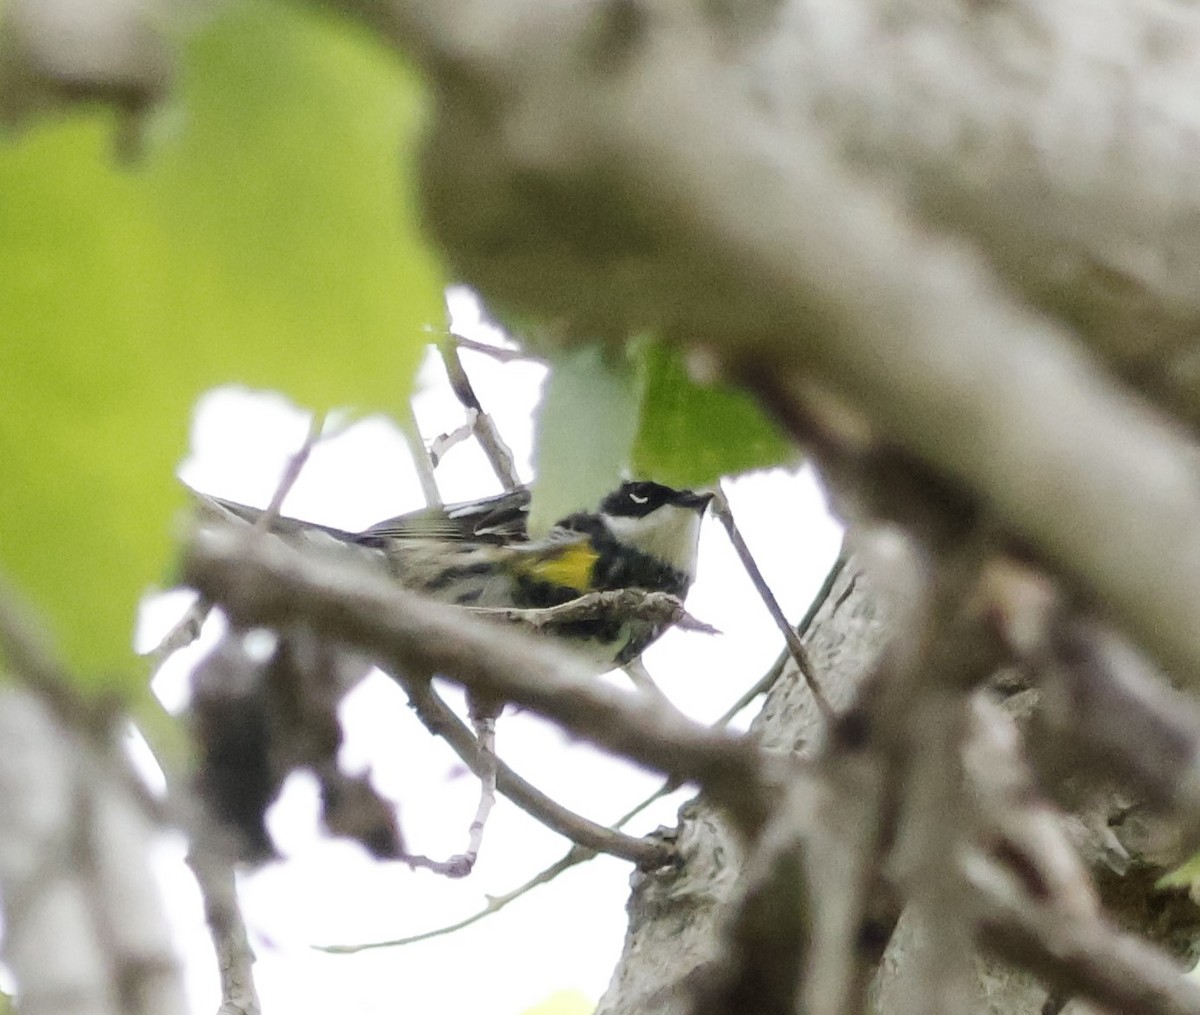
644, 535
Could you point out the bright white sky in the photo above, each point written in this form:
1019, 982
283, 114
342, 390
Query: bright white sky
564, 936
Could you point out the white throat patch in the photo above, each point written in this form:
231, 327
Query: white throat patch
669, 533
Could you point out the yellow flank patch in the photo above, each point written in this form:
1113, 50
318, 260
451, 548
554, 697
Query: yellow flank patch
570, 566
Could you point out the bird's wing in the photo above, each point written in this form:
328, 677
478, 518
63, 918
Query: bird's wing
500, 519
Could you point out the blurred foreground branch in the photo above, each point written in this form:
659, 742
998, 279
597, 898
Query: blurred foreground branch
85, 931
264, 583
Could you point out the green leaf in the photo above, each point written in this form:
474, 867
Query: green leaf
563, 1002
268, 239
1185, 875
585, 428
690, 435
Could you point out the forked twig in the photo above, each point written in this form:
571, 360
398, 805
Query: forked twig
578, 854
498, 454
461, 864
496, 352
442, 721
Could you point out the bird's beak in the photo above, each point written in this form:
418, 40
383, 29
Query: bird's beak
696, 500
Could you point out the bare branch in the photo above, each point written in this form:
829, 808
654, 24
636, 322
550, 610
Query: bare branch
441, 721
24, 647
933, 828
496, 352
182, 633
235, 959
576, 855
485, 736
802, 277
767, 936
421, 460
461, 864
1106, 710
1036, 904
271, 583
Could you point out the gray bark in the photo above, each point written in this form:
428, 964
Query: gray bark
677, 915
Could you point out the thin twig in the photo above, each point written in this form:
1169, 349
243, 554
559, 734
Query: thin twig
495, 903
769, 679
496, 352
498, 453
291, 472
421, 460
722, 510
485, 734
182, 633
441, 721
461, 864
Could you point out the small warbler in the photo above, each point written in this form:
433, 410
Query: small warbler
643, 536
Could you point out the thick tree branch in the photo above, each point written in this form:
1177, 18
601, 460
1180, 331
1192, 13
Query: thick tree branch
267, 582
800, 274
85, 931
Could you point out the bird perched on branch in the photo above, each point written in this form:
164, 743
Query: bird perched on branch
643, 536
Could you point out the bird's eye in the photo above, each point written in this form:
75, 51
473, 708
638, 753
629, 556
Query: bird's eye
636, 499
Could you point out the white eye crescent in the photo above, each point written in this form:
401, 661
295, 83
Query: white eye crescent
638, 500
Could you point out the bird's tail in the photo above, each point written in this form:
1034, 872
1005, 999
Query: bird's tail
213, 509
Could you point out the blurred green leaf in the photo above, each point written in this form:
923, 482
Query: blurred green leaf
1184, 876
563, 1002
585, 428
268, 238
689, 435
